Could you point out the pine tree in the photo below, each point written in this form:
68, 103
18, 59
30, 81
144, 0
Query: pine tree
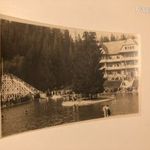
113, 38
104, 39
123, 37
88, 78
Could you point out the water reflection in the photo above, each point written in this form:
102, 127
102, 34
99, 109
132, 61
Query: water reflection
38, 115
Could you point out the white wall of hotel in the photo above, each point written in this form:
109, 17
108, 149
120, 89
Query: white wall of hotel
120, 60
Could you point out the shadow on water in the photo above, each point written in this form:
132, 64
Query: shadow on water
37, 115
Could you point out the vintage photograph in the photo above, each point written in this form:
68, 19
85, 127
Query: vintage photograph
53, 76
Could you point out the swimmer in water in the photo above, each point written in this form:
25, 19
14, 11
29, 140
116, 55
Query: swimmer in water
26, 112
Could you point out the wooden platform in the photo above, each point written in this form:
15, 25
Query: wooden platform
85, 102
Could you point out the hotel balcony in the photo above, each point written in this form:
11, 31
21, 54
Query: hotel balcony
128, 50
119, 76
121, 67
119, 59
131, 58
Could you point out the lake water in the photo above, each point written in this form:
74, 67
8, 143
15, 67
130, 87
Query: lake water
36, 115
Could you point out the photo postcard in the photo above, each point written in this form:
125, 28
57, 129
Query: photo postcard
55, 75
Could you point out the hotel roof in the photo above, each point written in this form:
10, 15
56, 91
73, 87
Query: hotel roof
115, 47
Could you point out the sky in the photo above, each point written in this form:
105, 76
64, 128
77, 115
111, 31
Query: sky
73, 31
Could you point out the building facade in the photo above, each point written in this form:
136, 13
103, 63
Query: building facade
120, 61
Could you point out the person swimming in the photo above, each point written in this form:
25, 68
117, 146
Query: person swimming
26, 112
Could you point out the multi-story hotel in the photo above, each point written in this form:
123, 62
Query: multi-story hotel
120, 61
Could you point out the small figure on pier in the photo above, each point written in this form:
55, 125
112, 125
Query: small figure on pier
106, 111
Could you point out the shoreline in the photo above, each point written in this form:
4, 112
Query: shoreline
85, 102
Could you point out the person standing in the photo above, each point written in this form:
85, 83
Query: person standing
108, 112
105, 110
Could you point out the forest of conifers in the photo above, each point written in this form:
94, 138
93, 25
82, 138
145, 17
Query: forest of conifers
50, 58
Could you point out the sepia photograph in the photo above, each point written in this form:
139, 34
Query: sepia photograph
58, 75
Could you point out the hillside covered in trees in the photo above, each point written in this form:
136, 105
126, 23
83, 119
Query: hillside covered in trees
49, 58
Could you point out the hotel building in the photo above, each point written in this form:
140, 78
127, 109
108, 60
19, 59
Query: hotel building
120, 61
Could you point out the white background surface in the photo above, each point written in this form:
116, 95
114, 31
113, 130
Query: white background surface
119, 133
